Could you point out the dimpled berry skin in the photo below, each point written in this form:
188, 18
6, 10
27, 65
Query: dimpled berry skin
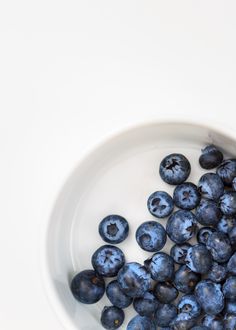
227, 171
208, 213
217, 273
134, 279
117, 296
189, 304
161, 266
108, 260
210, 297
185, 280
151, 236
228, 203
181, 226
204, 233
114, 229
174, 169
213, 322
160, 204
231, 265
87, 287
230, 322
211, 186
199, 259
219, 245
229, 288
226, 223
112, 317
146, 305
230, 307
141, 323
183, 321
165, 292
179, 252
211, 157
186, 196
165, 314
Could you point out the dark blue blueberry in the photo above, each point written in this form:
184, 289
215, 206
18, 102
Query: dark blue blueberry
183, 321
134, 279
151, 236
174, 169
189, 304
186, 196
165, 292
116, 296
227, 171
211, 157
230, 307
210, 297
112, 317
217, 273
146, 305
234, 184
161, 266
203, 234
211, 186
231, 265
160, 204
229, 288
141, 323
219, 245
226, 223
208, 213
165, 314
181, 226
114, 229
199, 259
179, 252
230, 322
108, 260
232, 237
87, 287
214, 322
185, 280
200, 327
228, 203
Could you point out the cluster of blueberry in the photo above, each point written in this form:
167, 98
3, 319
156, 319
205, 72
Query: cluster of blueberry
201, 275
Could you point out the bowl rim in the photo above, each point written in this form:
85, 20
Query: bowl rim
48, 288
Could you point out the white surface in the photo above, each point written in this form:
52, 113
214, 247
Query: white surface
70, 73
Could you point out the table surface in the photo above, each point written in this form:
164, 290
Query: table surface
72, 72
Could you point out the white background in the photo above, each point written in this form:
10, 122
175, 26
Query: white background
71, 72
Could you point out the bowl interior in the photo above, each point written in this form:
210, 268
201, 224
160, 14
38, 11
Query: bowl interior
117, 178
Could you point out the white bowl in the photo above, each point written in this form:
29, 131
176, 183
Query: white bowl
116, 177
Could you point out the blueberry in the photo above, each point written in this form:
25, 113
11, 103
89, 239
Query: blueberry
214, 322
112, 317
211, 186
114, 229
161, 266
160, 204
228, 203
179, 252
87, 287
230, 307
200, 327
141, 323
219, 245
165, 292
211, 157
217, 273
199, 259
226, 223
210, 297
116, 296
204, 233
229, 288
181, 226
208, 213
189, 304
146, 305
175, 169
232, 237
234, 184
186, 196
227, 171
151, 236
165, 314
230, 322
231, 265
108, 260
185, 280
183, 321
134, 279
